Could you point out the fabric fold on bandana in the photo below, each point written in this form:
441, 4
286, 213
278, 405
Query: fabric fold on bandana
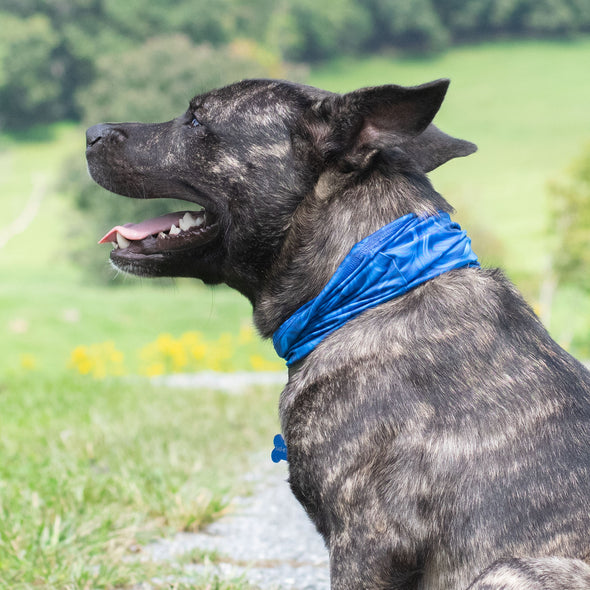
388, 263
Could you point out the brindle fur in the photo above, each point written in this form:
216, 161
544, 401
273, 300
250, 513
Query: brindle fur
432, 435
545, 573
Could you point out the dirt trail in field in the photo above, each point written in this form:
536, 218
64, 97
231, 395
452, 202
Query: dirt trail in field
28, 213
267, 539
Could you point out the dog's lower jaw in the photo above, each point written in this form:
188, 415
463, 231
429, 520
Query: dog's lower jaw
201, 263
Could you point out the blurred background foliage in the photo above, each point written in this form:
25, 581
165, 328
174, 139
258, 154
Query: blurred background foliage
56, 54
570, 223
106, 60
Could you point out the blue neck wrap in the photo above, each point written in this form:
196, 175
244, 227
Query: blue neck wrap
386, 264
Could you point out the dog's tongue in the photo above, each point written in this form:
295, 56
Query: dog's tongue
139, 231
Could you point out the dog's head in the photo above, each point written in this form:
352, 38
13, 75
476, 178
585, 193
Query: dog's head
245, 157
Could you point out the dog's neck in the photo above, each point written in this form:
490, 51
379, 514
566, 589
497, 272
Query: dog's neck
328, 223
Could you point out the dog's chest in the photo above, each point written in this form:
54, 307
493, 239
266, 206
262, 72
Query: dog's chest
346, 466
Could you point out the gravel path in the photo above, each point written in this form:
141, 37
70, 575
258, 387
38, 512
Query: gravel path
230, 383
267, 538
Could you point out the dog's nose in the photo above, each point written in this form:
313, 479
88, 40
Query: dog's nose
97, 132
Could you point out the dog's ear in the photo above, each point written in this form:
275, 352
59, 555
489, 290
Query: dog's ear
432, 148
385, 116
357, 124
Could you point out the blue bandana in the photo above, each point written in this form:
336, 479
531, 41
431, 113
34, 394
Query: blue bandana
386, 264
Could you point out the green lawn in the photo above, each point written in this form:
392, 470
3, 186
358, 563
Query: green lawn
92, 466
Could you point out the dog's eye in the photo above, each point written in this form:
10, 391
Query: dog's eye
194, 122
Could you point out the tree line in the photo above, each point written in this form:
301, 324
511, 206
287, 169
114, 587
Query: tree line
57, 57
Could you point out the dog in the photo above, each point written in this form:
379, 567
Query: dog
438, 439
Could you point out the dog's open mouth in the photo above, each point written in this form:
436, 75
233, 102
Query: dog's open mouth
181, 230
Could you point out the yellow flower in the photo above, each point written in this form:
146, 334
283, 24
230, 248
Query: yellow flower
164, 355
28, 362
192, 352
259, 363
155, 370
221, 354
80, 360
164, 342
100, 360
246, 335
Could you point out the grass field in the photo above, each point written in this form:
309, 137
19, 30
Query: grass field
91, 470
92, 467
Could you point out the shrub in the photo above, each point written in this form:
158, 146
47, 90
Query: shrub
155, 81
570, 224
28, 85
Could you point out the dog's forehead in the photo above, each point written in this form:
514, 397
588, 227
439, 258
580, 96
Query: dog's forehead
257, 99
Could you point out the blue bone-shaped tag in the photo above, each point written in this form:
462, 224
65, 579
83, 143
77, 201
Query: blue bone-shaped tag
279, 453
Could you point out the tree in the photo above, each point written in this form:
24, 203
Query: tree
412, 25
28, 85
309, 30
203, 21
156, 80
570, 224
570, 253
52, 49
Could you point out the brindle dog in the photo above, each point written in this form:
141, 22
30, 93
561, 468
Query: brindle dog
438, 440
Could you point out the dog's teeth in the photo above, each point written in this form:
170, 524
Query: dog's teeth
161, 235
115, 246
187, 221
174, 231
199, 221
122, 241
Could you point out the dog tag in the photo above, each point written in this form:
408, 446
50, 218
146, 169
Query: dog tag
279, 453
